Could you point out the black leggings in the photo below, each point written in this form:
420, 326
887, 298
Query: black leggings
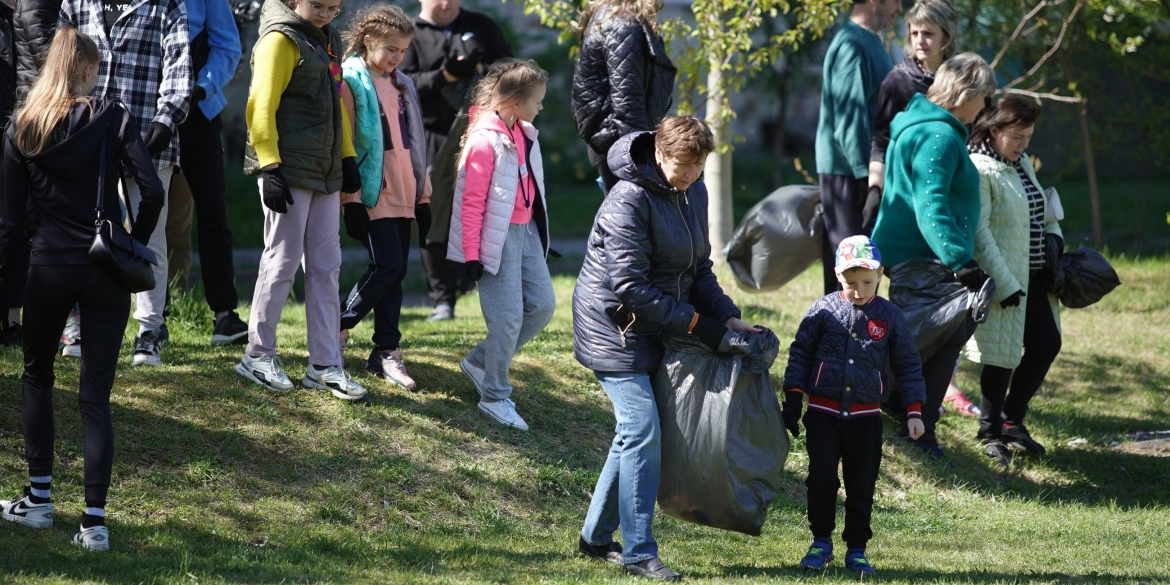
1041, 346
380, 288
52, 292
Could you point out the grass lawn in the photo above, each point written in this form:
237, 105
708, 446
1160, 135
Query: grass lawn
219, 481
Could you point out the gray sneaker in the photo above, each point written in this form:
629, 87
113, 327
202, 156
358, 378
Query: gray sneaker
442, 312
334, 379
265, 370
388, 365
477, 376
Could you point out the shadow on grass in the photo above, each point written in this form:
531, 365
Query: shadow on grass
795, 573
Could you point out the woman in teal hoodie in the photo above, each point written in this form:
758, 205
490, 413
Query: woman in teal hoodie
931, 206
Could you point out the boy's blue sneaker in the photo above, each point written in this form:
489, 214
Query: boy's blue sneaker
817, 558
857, 563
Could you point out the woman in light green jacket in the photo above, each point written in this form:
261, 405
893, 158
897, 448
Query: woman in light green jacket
1015, 221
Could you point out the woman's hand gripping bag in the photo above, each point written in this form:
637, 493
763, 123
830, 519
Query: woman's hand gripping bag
723, 439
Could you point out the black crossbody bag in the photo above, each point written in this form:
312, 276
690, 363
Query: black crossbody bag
113, 250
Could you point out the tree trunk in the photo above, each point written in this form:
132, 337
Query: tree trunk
717, 171
1091, 169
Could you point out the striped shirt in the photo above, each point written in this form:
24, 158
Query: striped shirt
1035, 204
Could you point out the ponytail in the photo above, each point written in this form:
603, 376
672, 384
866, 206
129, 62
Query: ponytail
56, 90
507, 79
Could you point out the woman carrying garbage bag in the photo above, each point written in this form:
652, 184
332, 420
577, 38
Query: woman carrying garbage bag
647, 271
931, 205
1015, 225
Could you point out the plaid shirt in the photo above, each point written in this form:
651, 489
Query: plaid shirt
148, 50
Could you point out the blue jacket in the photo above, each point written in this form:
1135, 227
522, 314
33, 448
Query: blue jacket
223, 39
841, 353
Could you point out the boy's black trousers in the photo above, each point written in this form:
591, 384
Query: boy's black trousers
105, 306
856, 444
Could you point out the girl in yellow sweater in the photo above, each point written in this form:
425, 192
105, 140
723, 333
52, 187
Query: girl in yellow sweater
299, 144
383, 106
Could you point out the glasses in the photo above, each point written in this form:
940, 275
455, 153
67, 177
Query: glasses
330, 12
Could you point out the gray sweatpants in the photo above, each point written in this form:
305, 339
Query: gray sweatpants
307, 234
150, 303
517, 303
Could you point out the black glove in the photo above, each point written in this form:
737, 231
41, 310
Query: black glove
873, 202
158, 137
1013, 300
710, 332
198, 94
422, 214
474, 270
793, 404
276, 195
971, 275
351, 177
357, 221
462, 68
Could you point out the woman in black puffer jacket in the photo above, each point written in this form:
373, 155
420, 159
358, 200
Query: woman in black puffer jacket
34, 25
623, 80
647, 272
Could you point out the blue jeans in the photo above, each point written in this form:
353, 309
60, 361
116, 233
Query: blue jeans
628, 485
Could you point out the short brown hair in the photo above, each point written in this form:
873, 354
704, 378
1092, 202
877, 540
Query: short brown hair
1009, 111
685, 139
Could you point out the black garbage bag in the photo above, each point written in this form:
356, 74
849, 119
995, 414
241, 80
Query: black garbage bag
935, 302
723, 440
778, 239
1080, 278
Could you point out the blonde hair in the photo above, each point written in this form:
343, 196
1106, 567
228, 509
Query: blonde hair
508, 79
939, 13
684, 139
377, 22
639, 10
56, 89
961, 78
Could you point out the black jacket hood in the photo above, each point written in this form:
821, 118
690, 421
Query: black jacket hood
85, 126
911, 68
632, 159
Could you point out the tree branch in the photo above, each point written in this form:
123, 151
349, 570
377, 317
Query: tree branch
1045, 96
1055, 46
1016, 33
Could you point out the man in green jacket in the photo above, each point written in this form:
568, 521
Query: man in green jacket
855, 66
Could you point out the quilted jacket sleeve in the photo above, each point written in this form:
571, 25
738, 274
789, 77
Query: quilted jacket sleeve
706, 294
34, 24
626, 59
624, 219
905, 361
987, 252
803, 350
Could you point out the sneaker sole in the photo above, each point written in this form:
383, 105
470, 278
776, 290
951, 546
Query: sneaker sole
72, 353
103, 547
808, 567
499, 420
146, 360
31, 523
464, 368
379, 372
307, 383
238, 339
247, 375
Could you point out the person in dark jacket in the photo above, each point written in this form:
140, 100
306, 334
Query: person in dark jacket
839, 358
7, 102
451, 48
54, 155
647, 273
623, 79
34, 23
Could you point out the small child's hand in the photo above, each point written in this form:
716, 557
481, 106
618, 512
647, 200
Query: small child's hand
915, 427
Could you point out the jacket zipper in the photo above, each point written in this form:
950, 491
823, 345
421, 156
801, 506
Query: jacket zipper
622, 330
691, 238
820, 370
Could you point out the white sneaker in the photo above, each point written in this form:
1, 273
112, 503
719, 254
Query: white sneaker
147, 351
266, 371
72, 349
388, 365
336, 380
93, 538
23, 511
504, 412
477, 376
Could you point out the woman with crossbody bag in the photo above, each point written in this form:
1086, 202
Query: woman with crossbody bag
54, 157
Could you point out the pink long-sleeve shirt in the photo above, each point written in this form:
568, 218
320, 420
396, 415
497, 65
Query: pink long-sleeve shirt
480, 161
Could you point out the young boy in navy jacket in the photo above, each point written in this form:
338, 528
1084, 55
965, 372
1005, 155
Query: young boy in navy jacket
839, 358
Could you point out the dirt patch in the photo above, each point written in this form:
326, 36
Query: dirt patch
1148, 443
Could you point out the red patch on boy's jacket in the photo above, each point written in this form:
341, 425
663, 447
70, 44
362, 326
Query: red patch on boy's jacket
877, 329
